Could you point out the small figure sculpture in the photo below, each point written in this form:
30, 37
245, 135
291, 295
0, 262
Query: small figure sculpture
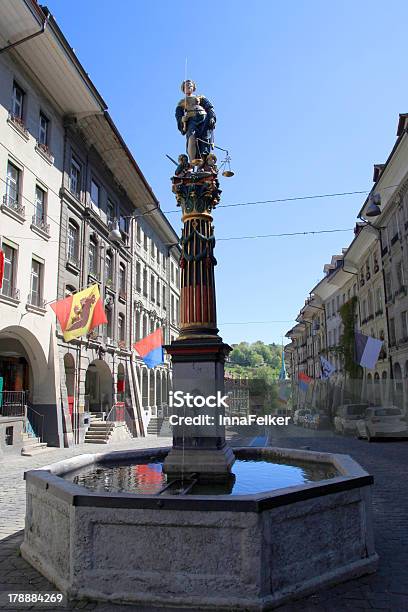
184, 167
196, 120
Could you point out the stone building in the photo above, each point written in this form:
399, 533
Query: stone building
76, 210
31, 160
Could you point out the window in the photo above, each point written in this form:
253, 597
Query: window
138, 234
73, 243
12, 186
378, 301
110, 212
392, 331
124, 228
158, 255
138, 277
164, 261
10, 270
404, 324
43, 129
370, 304
145, 326
152, 287
39, 214
158, 293
145, 283
333, 308
109, 269
152, 249
164, 297
145, 242
173, 309
122, 280
338, 303
400, 274
17, 103
388, 286
177, 311
75, 177
93, 257
172, 272
109, 317
36, 283
121, 327
95, 193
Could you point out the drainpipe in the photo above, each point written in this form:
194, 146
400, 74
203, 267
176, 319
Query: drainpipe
26, 38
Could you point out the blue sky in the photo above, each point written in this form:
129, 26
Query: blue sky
307, 96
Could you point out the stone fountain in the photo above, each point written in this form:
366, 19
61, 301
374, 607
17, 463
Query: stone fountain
176, 547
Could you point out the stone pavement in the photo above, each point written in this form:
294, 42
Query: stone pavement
385, 590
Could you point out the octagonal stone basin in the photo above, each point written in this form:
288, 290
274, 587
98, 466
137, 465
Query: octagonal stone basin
222, 552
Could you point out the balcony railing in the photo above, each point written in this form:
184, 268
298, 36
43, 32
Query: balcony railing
13, 204
73, 260
40, 223
34, 299
110, 284
10, 292
44, 150
12, 403
18, 122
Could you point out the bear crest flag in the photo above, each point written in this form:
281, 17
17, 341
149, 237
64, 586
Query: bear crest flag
79, 313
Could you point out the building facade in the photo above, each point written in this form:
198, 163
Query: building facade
75, 210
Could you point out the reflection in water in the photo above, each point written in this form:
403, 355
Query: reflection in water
251, 476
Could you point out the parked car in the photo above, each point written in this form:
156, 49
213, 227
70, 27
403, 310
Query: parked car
382, 422
299, 415
347, 417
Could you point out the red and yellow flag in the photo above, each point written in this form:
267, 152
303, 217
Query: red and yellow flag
79, 313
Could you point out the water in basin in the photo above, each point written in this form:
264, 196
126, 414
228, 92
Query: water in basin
252, 475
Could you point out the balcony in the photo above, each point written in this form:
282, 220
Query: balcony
110, 284
72, 263
36, 304
39, 225
18, 124
43, 150
12, 206
9, 295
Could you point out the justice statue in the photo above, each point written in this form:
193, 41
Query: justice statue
196, 120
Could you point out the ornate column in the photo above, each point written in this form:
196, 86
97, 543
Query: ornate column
198, 354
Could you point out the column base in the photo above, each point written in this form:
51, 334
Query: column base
208, 465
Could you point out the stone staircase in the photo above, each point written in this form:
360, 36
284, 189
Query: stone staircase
99, 431
32, 445
159, 426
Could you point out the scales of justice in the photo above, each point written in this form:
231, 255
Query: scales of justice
198, 355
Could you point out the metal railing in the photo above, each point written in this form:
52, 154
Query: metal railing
120, 414
40, 223
12, 403
13, 203
33, 299
34, 423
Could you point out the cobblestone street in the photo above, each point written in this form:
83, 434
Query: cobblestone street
385, 590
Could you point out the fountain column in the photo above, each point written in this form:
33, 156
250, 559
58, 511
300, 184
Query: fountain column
198, 354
